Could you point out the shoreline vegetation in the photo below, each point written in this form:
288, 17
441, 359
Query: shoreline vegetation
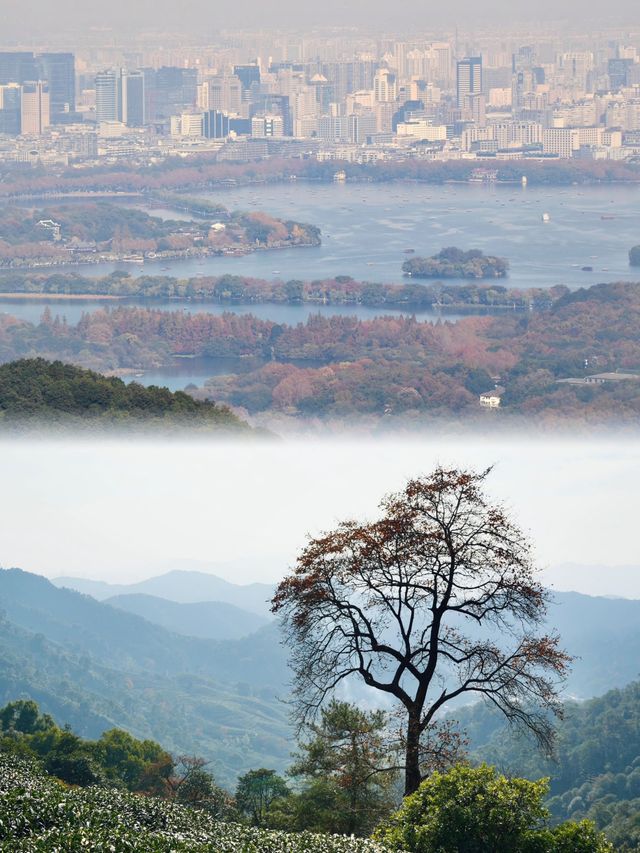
231, 290
203, 172
577, 361
98, 232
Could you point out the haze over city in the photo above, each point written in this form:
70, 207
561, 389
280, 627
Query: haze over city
195, 16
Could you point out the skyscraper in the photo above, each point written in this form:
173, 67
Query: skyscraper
10, 98
58, 69
469, 78
385, 86
132, 99
169, 91
18, 67
120, 96
248, 75
107, 96
215, 124
34, 107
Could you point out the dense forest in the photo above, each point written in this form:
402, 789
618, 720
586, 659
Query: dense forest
456, 263
242, 290
35, 391
596, 773
388, 367
595, 777
76, 232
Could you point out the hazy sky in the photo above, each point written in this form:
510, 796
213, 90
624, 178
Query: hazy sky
200, 16
126, 511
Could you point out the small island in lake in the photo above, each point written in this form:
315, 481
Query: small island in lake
456, 263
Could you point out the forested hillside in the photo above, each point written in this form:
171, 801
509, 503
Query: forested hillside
214, 620
385, 368
95, 667
35, 391
72, 233
597, 770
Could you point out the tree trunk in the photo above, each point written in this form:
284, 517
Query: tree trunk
412, 777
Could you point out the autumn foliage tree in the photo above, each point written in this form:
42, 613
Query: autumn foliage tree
435, 600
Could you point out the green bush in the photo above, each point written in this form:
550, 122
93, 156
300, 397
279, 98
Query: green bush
476, 810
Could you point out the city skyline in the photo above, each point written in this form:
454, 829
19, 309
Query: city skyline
481, 97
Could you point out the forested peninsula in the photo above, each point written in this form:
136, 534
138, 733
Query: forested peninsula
90, 232
35, 392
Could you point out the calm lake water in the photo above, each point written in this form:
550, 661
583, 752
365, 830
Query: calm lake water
193, 371
366, 229
73, 309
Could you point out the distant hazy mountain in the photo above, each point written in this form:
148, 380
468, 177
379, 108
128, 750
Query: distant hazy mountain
185, 587
603, 635
214, 620
94, 666
615, 581
125, 640
88, 660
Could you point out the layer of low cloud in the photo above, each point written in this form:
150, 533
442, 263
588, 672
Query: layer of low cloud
122, 512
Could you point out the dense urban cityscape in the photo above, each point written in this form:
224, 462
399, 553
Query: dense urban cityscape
337, 96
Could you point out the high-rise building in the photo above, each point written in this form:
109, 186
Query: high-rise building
618, 70
385, 86
10, 104
267, 126
120, 96
169, 91
107, 96
132, 100
248, 76
18, 67
35, 114
222, 93
215, 124
275, 105
58, 69
469, 78
187, 124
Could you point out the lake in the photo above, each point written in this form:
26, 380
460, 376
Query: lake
195, 371
73, 309
192, 371
366, 229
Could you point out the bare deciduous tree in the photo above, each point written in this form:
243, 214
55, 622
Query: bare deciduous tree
435, 599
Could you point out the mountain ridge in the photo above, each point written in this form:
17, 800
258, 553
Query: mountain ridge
213, 620
181, 586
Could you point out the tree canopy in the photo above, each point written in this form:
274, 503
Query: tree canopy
434, 600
